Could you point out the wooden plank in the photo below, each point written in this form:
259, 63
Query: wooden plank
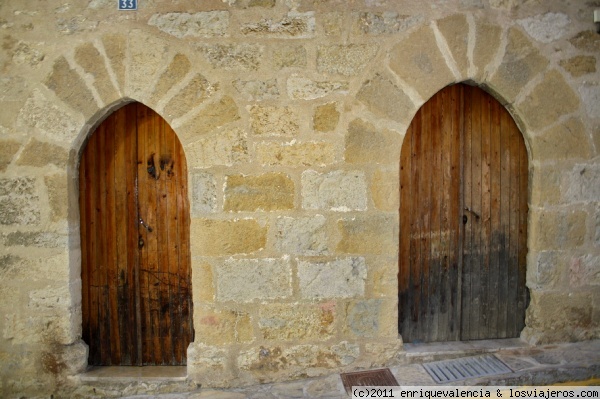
425, 215
172, 241
85, 211
435, 244
185, 288
513, 270
122, 265
467, 199
496, 243
415, 242
143, 214
485, 215
454, 215
132, 225
405, 234
110, 240
164, 141
523, 292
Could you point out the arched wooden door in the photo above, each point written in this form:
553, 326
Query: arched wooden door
136, 291
463, 220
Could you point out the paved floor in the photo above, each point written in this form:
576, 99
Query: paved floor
540, 365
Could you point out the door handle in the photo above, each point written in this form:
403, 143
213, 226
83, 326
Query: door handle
144, 225
140, 243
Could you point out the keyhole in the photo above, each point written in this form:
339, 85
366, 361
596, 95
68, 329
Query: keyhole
465, 218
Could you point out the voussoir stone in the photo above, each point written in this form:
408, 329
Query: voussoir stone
92, 62
455, 30
384, 99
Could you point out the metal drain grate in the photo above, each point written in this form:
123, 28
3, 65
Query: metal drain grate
381, 377
467, 367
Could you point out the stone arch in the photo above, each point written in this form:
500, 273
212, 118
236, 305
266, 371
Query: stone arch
99, 76
506, 63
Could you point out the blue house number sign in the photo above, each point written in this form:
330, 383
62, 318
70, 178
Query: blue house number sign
127, 4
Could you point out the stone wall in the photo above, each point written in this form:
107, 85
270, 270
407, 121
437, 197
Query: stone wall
292, 115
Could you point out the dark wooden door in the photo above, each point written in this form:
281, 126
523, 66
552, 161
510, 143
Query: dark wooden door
136, 291
463, 220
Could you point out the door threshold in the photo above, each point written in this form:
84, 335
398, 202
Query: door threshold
420, 352
134, 373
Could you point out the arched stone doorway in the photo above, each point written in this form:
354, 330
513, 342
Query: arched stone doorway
134, 213
463, 220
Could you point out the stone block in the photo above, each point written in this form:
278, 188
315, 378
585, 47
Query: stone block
418, 61
299, 88
51, 297
46, 239
8, 150
386, 100
289, 56
332, 23
546, 28
297, 321
566, 140
48, 268
521, 63
362, 317
579, 66
115, 48
92, 62
244, 57
366, 144
267, 192
546, 269
583, 183
267, 361
590, 96
52, 122
295, 25
203, 282
214, 115
384, 23
39, 154
557, 229
184, 25
546, 185
219, 149
302, 236
178, 68
204, 193
347, 60
227, 237
147, 56
384, 189
548, 101
487, 44
558, 317
70, 88
19, 202
56, 187
382, 279
312, 153
455, 30
222, 326
368, 235
326, 117
587, 41
339, 278
584, 271
273, 121
194, 93
338, 190
261, 279
257, 90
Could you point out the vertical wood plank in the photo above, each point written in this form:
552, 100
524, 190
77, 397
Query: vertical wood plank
523, 292
485, 216
496, 244
505, 309
404, 287
435, 245
415, 242
467, 199
185, 288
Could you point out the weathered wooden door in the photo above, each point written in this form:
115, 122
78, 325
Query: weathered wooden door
136, 292
463, 220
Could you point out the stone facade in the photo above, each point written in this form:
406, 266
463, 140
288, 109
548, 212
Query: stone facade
292, 115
